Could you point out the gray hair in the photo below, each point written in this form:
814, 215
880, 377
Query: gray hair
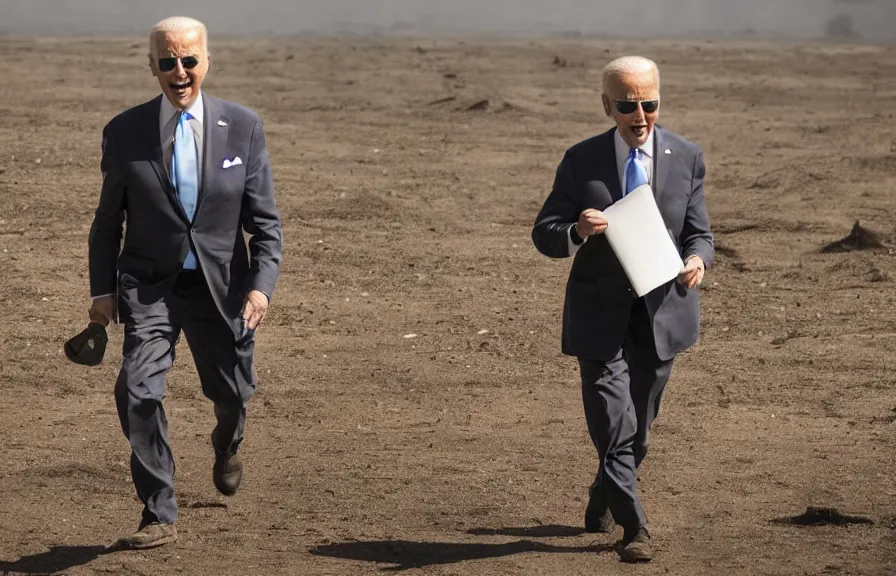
628, 65
176, 24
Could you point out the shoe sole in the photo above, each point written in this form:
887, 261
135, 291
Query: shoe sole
636, 559
634, 556
148, 545
224, 489
225, 492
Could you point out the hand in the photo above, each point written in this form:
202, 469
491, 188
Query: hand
692, 275
104, 310
591, 222
255, 308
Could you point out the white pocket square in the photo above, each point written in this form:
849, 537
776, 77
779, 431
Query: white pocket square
235, 162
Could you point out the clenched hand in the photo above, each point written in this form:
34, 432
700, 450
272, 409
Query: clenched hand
591, 222
104, 310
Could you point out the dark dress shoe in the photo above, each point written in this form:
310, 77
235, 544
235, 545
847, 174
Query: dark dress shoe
149, 536
636, 547
597, 514
227, 474
89, 346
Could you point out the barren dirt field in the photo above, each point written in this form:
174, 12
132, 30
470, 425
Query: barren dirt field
408, 175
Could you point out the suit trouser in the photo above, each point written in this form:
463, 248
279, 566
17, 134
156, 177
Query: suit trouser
622, 399
224, 365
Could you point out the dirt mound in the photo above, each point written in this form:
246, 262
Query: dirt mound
474, 105
818, 516
859, 238
489, 105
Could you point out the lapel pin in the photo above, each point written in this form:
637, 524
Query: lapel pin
667, 151
222, 123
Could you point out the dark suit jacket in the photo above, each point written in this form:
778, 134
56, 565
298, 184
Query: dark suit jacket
137, 191
599, 296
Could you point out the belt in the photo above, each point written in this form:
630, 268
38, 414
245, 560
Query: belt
190, 278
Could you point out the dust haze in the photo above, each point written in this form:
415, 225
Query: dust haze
873, 20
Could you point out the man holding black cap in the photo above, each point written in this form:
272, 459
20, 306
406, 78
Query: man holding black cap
188, 175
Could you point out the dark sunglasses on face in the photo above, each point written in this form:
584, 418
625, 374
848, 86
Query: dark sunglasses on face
168, 64
628, 106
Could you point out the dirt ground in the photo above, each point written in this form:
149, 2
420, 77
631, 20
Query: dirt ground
407, 206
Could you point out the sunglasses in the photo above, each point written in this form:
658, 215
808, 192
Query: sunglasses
168, 64
627, 106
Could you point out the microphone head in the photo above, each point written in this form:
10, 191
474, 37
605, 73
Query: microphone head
597, 195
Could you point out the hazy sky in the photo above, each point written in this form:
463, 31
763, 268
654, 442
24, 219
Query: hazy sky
873, 19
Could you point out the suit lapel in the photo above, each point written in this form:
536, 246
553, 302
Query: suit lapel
214, 137
155, 142
611, 174
661, 162
155, 156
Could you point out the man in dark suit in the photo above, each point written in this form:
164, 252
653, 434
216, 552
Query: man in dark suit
188, 174
625, 345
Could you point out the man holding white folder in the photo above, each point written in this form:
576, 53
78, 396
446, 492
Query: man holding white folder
625, 343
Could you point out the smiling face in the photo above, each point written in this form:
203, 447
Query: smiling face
633, 121
181, 83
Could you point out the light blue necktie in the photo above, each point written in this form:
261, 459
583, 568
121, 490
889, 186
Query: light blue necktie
185, 174
635, 171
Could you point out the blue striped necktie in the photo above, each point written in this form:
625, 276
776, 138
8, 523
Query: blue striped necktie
185, 174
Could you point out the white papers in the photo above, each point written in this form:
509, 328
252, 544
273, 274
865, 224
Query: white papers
639, 237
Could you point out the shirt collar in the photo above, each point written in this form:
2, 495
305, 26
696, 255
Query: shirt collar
622, 149
168, 111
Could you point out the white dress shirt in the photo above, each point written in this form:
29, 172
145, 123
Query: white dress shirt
167, 126
622, 152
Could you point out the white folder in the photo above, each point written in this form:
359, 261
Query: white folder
639, 237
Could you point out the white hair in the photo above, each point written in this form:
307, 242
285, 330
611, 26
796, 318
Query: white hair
628, 65
176, 24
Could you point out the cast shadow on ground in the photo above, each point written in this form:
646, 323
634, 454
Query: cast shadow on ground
56, 559
541, 531
404, 555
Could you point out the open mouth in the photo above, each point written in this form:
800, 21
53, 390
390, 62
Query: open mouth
181, 87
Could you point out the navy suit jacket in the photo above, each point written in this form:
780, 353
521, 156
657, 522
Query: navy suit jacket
137, 191
599, 296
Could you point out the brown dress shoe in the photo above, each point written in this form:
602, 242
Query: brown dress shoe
227, 474
636, 547
597, 514
149, 536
